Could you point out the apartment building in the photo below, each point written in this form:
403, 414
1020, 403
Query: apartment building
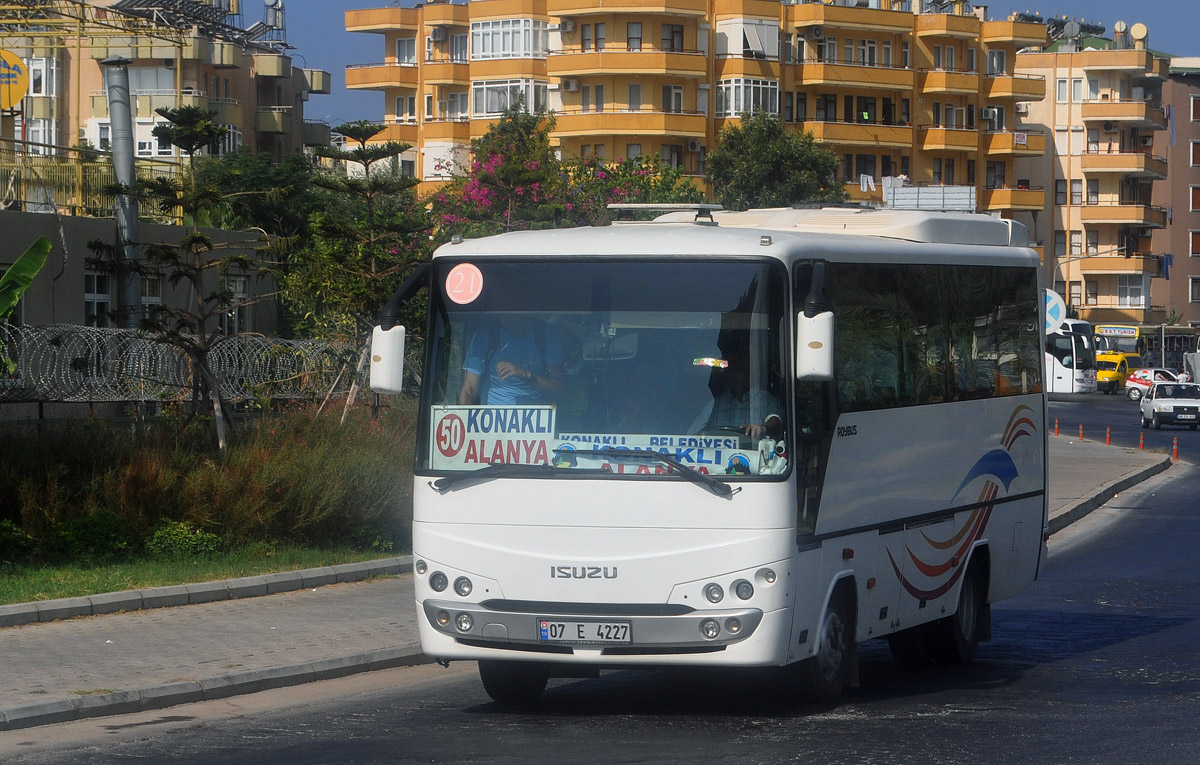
182, 52
1105, 112
921, 89
1180, 193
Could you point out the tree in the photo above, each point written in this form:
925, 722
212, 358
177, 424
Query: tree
594, 185
13, 284
368, 235
196, 261
763, 163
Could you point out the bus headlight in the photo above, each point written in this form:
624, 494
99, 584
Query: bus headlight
438, 581
743, 589
713, 592
709, 629
462, 586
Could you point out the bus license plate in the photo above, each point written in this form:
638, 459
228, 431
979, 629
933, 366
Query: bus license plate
583, 633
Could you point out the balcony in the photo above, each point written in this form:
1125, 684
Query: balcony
832, 74
447, 71
1125, 214
272, 65
1017, 143
379, 76
1128, 113
316, 133
645, 122
1012, 199
1136, 164
947, 139
402, 131
942, 81
446, 15
860, 134
226, 55
319, 81
1016, 87
1022, 34
382, 20
229, 110
1141, 61
454, 129
947, 25
1140, 263
614, 60
806, 15
274, 119
568, 8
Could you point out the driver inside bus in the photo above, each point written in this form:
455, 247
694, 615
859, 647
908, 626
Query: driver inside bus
516, 360
738, 405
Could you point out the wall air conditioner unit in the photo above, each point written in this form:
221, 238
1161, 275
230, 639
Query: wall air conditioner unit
1022, 107
570, 84
169, 63
1145, 231
693, 146
988, 113
1110, 127
815, 33
1146, 141
437, 34
568, 25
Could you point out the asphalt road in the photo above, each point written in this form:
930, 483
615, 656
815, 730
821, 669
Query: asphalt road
1096, 663
1099, 412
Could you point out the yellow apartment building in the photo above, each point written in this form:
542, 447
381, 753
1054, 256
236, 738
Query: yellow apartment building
1104, 107
891, 86
182, 52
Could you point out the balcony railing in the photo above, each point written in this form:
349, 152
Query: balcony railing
815, 71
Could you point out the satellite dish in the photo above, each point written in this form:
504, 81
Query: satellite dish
1138, 31
1120, 27
1071, 29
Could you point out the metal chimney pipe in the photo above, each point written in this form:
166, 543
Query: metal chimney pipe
120, 114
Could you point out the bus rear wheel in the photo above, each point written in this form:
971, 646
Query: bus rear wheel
956, 638
513, 683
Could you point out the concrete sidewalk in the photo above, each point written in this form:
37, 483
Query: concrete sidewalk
115, 663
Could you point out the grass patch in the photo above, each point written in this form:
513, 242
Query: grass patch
22, 584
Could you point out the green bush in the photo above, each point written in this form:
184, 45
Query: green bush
15, 544
180, 539
99, 535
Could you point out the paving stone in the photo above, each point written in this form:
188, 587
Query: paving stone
115, 703
44, 713
353, 572
232, 684
281, 677
283, 582
170, 694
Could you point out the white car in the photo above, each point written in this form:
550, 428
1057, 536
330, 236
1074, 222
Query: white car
1140, 381
1171, 403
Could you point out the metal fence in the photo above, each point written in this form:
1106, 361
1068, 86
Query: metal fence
71, 363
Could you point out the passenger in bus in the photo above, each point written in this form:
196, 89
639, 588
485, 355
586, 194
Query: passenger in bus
516, 360
753, 410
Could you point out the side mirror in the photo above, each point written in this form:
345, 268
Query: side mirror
814, 347
387, 360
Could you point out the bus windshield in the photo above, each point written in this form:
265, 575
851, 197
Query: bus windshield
535, 361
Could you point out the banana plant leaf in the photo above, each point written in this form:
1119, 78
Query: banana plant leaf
20, 275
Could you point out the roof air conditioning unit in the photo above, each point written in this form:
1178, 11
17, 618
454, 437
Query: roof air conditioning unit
437, 34
988, 113
815, 33
1110, 127
1146, 141
570, 84
568, 25
693, 146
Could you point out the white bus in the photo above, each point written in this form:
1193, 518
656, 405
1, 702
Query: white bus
885, 477
1071, 358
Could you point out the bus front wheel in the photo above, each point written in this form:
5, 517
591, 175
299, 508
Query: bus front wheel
825, 674
513, 683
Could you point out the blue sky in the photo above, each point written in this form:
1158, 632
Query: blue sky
317, 29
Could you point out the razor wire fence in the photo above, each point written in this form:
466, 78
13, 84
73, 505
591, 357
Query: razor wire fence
72, 363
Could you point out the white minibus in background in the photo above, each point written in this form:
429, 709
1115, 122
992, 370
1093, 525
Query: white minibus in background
717, 439
1071, 358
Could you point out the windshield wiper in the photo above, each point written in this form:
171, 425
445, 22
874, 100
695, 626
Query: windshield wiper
498, 470
720, 488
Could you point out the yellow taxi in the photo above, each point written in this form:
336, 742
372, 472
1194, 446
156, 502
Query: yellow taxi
1113, 368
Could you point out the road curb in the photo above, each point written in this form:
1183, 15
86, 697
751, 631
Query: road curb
1106, 492
17, 614
206, 689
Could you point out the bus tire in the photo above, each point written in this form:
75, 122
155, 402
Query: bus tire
824, 675
513, 683
956, 638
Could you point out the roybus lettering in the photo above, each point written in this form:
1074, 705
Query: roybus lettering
847, 430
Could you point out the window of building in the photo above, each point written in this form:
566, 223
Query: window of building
801, 107
1194, 239
937, 169
867, 52
599, 37
493, 97
997, 63
457, 105
885, 54
406, 50
672, 98
44, 77
737, 96
151, 289
633, 35
1060, 244
508, 38
905, 55
1195, 108
1076, 243
1130, 291
1062, 91
585, 38
672, 155
598, 100
232, 140
848, 47
105, 136
1195, 147
1060, 192
428, 106
236, 317
827, 50
1093, 242
1091, 291
97, 299
634, 97
672, 37
1093, 191
633, 150
995, 175
1076, 191
1076, 294
1077, 90
1194, 289
827, 107
458, 48
1195, 195
406, 108
864, 164
972, 63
